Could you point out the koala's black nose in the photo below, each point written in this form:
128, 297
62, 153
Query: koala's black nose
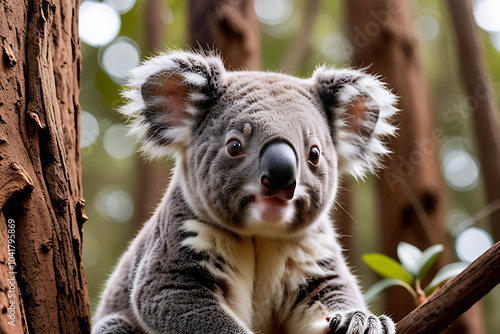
279, 171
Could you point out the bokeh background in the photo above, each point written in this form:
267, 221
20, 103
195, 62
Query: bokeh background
114, 39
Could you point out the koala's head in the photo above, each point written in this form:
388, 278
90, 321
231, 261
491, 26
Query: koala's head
258, 153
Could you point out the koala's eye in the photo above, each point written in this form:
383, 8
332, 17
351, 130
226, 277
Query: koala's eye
234, 147
314, 155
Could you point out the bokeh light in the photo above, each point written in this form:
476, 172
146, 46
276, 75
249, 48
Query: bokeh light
486, 14
460, 170
495, 39
282, 31
471, 243
89, 129
99, 23
115, 204
273, 12
91, 250
119, 57
336, 47
122, 6
426, 27
117, 143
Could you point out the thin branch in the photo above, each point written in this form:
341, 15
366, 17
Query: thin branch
456, 296
487, 210
301, 47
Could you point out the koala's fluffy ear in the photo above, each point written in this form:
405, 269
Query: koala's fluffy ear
359, 108
165, 96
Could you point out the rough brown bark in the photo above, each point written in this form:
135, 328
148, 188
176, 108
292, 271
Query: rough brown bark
229, 26
481, 99
40, 171
411, 190
456, 296
152, 175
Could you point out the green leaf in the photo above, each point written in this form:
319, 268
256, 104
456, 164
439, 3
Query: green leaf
387, 267
410, 257
377, 288
429, 257
449, 271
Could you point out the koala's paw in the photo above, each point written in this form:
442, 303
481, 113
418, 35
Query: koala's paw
359, 322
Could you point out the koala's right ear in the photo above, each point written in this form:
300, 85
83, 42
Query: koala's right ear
166, 95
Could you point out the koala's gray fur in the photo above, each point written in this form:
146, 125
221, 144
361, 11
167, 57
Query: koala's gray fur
241, 242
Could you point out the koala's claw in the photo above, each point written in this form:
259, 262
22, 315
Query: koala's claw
358, 322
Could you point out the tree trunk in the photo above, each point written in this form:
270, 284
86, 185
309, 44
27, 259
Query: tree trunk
152, 175
411, 190
41, 203
482, 100
228, 26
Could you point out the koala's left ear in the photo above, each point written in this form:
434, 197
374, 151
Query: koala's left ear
359, 109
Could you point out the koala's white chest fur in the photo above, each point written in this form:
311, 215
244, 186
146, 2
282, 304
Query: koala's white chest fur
262, 274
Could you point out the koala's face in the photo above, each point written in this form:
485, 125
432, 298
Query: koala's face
262, 161
259, 152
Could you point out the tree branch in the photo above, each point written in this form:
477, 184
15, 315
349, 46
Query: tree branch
301, 47
456, 296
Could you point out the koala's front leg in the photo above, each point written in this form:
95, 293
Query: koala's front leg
179, 300
333, 303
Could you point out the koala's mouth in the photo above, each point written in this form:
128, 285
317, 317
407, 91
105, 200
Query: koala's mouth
270, 208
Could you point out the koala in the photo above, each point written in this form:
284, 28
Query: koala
242, 241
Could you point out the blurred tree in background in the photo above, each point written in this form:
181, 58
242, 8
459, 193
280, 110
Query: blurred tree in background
412, 192
445, 202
